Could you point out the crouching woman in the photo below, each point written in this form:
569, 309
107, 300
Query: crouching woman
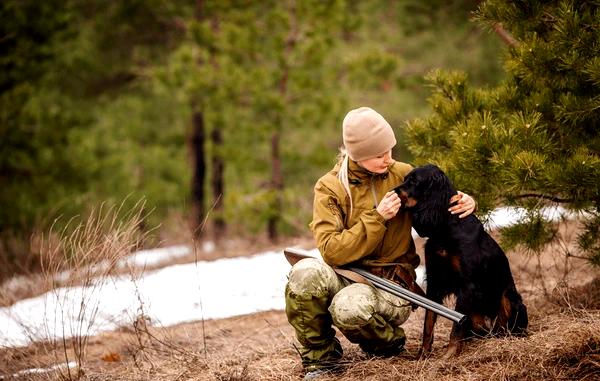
356, 220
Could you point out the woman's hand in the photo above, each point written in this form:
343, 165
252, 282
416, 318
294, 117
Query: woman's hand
390, 204
465, 204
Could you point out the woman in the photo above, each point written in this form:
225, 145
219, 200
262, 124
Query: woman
356, 219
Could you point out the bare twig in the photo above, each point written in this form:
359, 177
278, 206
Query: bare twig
545, 197
505, 36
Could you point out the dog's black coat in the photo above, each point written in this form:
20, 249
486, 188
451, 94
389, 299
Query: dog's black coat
461, 259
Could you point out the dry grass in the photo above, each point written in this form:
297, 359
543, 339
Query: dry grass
561, 346
84, 254
562, 294
82, 251
564, 345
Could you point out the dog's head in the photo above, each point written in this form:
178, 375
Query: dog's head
425, 185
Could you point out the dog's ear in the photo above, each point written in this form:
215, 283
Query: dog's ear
437, 184
437, 190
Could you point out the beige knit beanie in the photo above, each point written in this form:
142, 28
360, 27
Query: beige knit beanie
366, 134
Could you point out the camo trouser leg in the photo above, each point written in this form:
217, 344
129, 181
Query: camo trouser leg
310, 289
370, 317
316, 297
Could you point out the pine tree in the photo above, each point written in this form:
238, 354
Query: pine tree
256, 72
296, 38
533, 140
70, 70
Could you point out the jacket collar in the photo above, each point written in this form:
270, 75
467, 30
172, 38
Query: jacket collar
357, 174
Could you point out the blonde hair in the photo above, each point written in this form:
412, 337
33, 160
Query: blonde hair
343, 174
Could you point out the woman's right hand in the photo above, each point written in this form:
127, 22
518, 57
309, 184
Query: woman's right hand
390, 204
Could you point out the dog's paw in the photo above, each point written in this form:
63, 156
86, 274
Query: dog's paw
451, 351
423, 354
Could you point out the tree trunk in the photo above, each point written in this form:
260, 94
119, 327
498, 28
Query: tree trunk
276, 174
218, 183
276, 187
199, 173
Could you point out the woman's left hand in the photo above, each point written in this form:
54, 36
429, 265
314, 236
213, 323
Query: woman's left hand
465, 204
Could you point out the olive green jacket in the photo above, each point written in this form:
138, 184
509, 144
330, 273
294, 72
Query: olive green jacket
363, 237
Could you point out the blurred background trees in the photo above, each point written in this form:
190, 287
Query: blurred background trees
224, 113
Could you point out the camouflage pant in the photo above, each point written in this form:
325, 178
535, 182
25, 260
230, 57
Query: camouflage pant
317, 297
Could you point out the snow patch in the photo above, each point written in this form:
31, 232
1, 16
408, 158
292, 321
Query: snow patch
53, 368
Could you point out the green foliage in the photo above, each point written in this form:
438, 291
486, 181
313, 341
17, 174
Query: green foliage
36, 122
373, 69
63, 63
143, 160
255, 72
96, 97
534, 233
536, 134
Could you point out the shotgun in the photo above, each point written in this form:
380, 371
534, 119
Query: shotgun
359, 275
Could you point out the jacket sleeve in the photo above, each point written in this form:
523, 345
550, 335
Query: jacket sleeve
340, 245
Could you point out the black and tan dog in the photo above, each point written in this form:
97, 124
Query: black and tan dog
463, 260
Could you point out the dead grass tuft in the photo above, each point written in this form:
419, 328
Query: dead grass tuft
85, 254
585, 297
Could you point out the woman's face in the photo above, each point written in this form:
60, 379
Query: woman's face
378, 164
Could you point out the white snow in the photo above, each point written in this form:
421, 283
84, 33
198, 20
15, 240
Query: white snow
506, 216
180, 293
171, 295
50, 369
152, 257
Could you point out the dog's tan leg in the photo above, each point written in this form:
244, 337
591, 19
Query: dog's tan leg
480, 324
456, 341
428, 325
454, 349
503, 315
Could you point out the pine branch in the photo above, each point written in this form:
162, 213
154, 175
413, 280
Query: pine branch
545, 197
505, 35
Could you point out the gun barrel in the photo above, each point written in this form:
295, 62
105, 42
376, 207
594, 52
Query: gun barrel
417, 299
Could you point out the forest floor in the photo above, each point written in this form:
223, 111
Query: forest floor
562, 295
